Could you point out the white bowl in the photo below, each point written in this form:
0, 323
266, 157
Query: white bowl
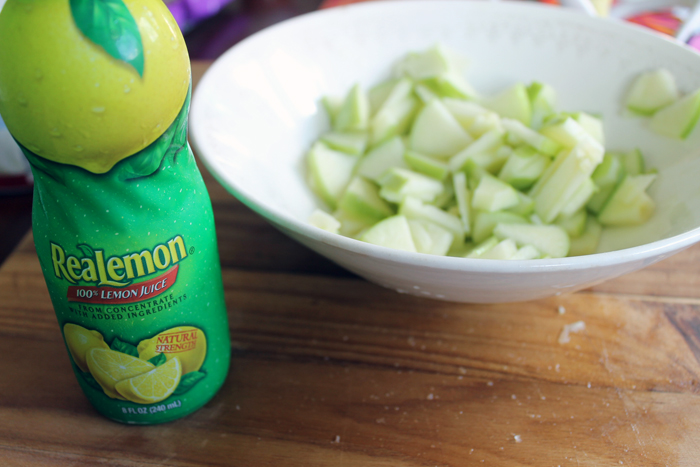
256, 112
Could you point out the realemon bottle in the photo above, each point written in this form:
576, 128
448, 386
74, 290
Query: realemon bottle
96, 92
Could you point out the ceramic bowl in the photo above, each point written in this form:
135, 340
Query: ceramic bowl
257, 110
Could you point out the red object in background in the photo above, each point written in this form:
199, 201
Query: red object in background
663, 21
332, 3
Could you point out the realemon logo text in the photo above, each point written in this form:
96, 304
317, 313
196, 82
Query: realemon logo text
116, 271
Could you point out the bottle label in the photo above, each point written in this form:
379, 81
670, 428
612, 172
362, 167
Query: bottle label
131, 263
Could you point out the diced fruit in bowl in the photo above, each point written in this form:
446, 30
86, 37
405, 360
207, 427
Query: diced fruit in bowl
259, 110
652, 91
421, 164
678, 119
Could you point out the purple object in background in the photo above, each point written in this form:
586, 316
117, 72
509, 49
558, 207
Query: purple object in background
187, 13
237, 20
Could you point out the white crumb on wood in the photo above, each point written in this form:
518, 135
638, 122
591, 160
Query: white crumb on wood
561, 310
337, 439
565, 337
517, 438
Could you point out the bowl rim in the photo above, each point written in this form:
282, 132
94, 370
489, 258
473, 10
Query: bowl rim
656, 250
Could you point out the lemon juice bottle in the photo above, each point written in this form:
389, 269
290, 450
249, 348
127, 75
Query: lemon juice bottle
96, 92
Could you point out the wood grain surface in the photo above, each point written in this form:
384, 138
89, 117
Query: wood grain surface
330, 370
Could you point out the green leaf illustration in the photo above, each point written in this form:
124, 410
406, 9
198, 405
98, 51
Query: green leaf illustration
109, 24
124, 347
188, 381
158, 360
86, 250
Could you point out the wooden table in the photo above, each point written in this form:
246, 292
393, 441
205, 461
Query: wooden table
330, 370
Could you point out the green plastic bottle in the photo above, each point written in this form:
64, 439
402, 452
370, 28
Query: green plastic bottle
97, 92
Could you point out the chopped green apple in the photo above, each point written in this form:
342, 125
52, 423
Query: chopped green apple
587, 242
330, 172
466, 112
435, 61
523, 168
397, 184
678, 119
446, 199
424, 93
392, 232
382, 158
485, 123
593, 125
579, 198
351, 142
437, 133
573, 224
450, 84
459, 183
474, 173
426, 165
526, 252
569, 133
512, 102
629, 204
484, 145
543, 99
394, 113
505, 249
332, 105
414, 208
324, 221
633, 162
493, 194
538, 142
429, 237
606, 176
350, 226
361, 200
651, 91
378, 94
482, 247
551, 240
393, 120
525, 206
457, 168
485, 222
561, 181
354, 113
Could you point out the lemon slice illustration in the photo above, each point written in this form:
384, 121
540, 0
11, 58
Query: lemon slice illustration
154, 386
80, 341
108, 367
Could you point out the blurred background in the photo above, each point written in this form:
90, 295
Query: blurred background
211, 27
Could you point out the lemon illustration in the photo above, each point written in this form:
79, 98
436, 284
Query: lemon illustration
187, 343
154, 386
108, 367
80, 340
66, 99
